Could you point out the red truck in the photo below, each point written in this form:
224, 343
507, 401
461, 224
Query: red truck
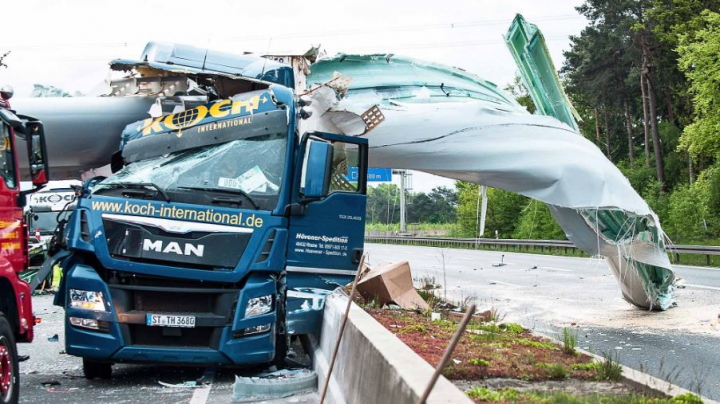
16, 318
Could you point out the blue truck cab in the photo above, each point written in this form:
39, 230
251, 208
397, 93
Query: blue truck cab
216, 237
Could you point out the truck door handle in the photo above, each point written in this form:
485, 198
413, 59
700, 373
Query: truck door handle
356, 255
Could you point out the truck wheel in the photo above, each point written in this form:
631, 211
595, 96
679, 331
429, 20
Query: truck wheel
93, 369
9, 375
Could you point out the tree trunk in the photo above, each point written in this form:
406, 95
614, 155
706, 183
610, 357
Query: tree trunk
659, 164
597, 126
645, 119
607, 134
628, 126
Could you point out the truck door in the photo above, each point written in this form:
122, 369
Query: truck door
326, 235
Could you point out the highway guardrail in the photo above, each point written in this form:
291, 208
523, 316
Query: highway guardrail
521, 244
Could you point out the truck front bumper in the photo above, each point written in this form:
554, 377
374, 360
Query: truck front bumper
109, 347
221, 334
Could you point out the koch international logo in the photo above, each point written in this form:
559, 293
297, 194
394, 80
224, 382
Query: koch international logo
174, 212
205, 114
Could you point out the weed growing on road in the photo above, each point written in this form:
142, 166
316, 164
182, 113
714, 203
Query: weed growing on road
569, 341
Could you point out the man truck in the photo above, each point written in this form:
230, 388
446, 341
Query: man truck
215, 237
16, 318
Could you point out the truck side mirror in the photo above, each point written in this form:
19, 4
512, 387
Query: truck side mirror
37, 153
317, 167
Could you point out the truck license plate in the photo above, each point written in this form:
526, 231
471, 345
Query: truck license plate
163, 320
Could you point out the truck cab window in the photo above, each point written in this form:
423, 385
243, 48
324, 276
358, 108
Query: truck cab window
7, 162
345, 167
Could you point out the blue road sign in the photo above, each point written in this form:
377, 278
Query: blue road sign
374, 174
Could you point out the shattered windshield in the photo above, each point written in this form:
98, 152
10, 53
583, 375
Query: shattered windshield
245, 172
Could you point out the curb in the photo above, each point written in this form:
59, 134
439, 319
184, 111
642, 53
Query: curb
373, 365
636, 379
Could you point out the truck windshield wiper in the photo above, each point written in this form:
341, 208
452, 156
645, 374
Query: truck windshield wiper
140, 185
226, 191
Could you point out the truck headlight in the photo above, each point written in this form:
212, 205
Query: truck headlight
259, 305
88, 300
84, 323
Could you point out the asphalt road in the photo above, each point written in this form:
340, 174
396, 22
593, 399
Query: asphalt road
53, 377
680, 344
548, 293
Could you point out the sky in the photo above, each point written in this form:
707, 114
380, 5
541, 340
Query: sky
68, 43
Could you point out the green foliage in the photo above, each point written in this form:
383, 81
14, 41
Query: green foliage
467, 208
503, 209
687, 398
437, 207
536, 344
483, 394
518, 90
479, 362
512, 328
700, 61
590, 366
569, 341
514, 396
536, 222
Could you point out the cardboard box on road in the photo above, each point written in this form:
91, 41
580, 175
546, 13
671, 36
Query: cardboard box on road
391, 283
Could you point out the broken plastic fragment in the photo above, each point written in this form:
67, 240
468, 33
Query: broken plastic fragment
274, 385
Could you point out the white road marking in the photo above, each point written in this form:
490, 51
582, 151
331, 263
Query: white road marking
557, 269
505, 283
200, 395
701, 286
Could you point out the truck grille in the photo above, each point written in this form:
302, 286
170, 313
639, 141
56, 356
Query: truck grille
212, 306
203, 337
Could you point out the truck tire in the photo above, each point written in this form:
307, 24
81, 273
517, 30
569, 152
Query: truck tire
9, 374
95, 369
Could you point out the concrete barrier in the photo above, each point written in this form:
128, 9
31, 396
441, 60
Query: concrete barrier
373, 365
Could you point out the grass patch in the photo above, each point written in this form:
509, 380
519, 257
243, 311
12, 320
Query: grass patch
609, 368
483, 395
590, 366
557, 371
536, 344
512, 328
